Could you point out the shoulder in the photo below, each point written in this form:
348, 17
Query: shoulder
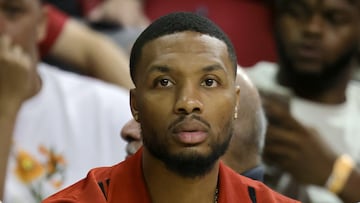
353, 91
100, 183
262, 74
264, 194
86, 190
56, 20
238, 187
73, 83
354, 86
263, 67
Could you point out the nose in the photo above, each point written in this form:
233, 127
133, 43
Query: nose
314, 25
188, 100
131, 132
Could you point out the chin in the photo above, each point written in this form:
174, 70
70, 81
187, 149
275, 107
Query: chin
304, 67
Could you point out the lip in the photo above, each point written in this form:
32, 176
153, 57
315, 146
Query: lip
190, 132
309, 52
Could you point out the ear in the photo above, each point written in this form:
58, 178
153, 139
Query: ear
43, 23
133, 104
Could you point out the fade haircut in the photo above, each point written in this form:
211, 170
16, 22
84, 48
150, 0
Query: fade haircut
174, 23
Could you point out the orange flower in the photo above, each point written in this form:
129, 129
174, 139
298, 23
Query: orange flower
43, 150
57, 183
27, 168
54, 161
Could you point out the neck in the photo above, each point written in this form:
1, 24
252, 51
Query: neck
333, 94
178, 189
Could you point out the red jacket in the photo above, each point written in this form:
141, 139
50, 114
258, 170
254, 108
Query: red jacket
124, 182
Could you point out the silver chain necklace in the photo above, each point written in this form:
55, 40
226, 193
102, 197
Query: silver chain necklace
216, 195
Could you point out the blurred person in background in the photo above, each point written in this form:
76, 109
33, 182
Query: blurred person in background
50, 120
311, 101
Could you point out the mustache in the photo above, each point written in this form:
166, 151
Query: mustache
182, 118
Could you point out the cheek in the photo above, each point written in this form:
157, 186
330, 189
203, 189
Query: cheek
288, 27
222, 113
24, 35
289, 33
155, 109
338, 43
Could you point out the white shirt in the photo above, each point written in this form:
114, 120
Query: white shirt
73, 123
339, 125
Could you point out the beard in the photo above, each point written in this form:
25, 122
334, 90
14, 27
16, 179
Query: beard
312, 83
189, 164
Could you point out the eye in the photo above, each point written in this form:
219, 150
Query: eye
210, 83
297, 10
12, 10
163, 83
337, 18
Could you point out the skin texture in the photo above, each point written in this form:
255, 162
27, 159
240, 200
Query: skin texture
22, 25
184, 78
313, 36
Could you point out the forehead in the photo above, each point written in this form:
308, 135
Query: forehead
180, 39
188, 43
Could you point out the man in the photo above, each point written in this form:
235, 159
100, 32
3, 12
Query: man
246, 145
183, 68
314, 126
49, 120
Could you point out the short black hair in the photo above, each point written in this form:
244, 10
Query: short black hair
178, 22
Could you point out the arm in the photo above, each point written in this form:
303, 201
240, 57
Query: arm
301, 151
351, 193
93, 53
18, 82
121, 12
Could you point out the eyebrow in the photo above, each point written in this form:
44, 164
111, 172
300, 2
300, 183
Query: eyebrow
166, 69
212, 68
159, 68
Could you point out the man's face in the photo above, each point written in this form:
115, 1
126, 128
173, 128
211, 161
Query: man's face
24, 22
185, 97
317, 37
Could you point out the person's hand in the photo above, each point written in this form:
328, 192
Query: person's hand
121, 12
295, 148
17, 79
131, 133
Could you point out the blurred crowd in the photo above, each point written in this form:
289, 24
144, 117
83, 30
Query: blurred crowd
65, 81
